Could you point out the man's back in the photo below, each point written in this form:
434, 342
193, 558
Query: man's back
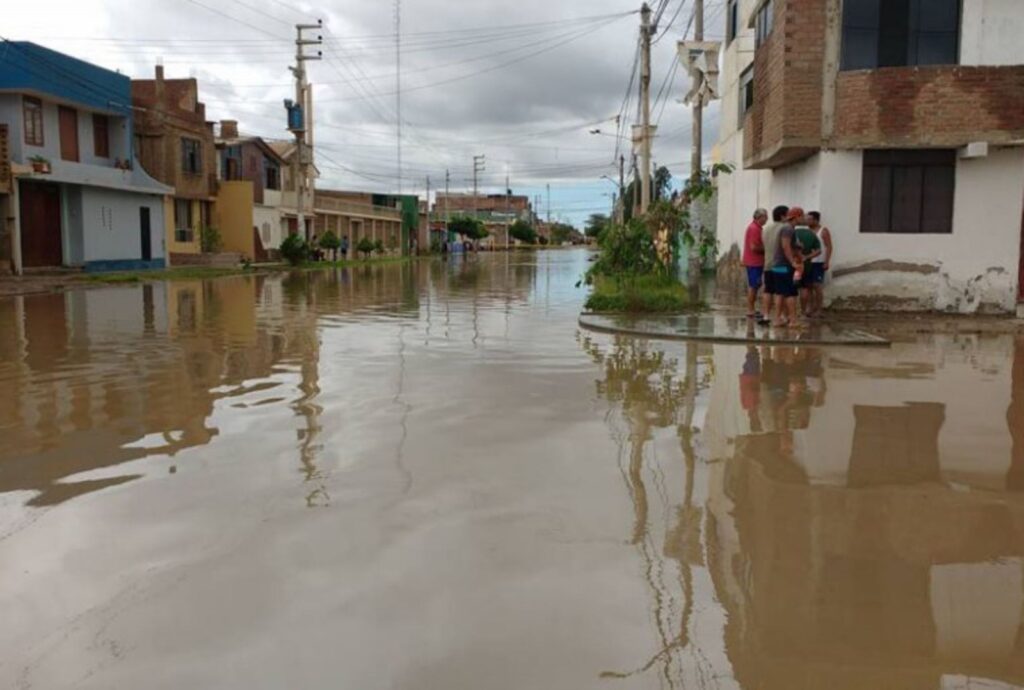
770, 237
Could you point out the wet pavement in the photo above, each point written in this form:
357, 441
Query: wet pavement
428, 476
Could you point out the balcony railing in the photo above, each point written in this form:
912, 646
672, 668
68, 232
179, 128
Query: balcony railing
349, 208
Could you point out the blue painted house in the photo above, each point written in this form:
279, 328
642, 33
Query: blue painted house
78, 199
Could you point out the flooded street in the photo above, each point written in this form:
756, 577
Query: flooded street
426, 476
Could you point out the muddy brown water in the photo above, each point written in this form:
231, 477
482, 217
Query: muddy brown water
426, 476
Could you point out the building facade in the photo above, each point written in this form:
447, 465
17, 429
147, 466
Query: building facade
355, 215
175, 145
78, 199
903, 123
251, 204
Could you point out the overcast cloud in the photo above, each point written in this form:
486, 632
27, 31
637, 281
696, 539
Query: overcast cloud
521, 82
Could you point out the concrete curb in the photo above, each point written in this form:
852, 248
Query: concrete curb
862, 339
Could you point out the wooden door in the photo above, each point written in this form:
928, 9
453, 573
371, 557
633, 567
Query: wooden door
145, 236
40, 224
68, 134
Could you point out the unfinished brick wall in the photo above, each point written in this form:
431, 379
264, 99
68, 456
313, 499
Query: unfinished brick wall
940, 106
784, 124
166, 111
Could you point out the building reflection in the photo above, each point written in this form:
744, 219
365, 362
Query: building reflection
835, 519
854, 546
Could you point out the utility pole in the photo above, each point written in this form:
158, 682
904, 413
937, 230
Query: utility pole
300, 119
549, 207
646, 30
479, 165
429, 229
620, 213
508, 210
398, 86
698, 105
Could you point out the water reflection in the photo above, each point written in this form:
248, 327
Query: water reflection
851, 512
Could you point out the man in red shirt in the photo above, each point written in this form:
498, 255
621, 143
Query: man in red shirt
753, 260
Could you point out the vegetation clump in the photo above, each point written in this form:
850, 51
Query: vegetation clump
294, 249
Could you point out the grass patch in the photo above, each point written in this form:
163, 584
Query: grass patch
640, 295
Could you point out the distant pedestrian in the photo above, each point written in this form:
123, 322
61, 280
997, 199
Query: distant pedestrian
753, 260
821, 264
770, 241
344, 247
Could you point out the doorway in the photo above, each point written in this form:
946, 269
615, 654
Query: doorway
68, 118
40, 224
146, 238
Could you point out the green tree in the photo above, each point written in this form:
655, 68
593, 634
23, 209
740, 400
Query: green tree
378, 246
331, 243
662, 184
523, 231
561, 233
294, 249
470, 228
365, 246
596, 223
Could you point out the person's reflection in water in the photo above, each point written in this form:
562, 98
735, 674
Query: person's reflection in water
750, 388
1015, 420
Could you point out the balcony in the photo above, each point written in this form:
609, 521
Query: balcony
325, 204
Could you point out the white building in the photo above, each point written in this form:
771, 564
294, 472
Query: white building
909, 141
77, 198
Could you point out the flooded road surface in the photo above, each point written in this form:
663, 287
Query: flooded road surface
426, 476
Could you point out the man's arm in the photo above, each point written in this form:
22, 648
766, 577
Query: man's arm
826, 237
787, 249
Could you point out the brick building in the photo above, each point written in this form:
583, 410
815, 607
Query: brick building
355, 215
903, 123
175, 145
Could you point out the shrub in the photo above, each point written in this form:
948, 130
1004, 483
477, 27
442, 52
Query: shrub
378, 246
209, 240
365, 246
330, 242
294, 249
645, 294
523, 231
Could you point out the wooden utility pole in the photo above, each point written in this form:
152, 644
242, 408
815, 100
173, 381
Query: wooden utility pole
698, 105
620, 213
645, 107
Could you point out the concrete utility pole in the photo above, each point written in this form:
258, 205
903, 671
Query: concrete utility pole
479, 165
508, 210
398, 87
301, 125
619, 214
549, 207
447, 181
429, 231
646, 30
698, 106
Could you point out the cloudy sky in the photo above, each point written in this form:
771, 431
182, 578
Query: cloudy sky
522, 83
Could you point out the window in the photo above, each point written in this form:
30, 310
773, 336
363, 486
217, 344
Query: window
191, 156
746, 92
183, 220
273, 180
101, 136
764, 23
908, 191
732, 21
896, 33
32, 109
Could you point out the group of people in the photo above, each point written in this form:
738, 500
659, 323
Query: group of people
787, 260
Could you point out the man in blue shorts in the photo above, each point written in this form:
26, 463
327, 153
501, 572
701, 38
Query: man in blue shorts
782, 271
